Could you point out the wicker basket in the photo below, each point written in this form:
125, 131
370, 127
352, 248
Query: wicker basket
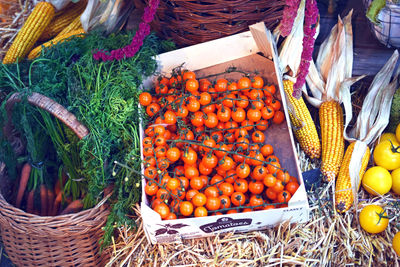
64, 240
388, 30
189, 22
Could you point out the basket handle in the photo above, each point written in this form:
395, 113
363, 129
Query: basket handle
48, 105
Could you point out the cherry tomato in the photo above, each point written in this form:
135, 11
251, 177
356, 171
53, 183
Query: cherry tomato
192, 85
254, 114
243, 170
269, 180
162, 209
191, 193
193, 105
284, 196
213, 203
196, 183
186, 208
188, 75
244, 82
238, 114
173, 154
226, 188
169, 117
279, 117
199, 200
257, 82
238, 198
225, 201
145, 99
256, 201
212, 191
200, 212
256, 187
259, 172
151, 188
152, 109
241, 185
224, 114
221, 85
373, 219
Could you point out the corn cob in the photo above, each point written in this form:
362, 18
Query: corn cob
62, 19
36, 52
35, 24
344, 193
74, 25
304, 127
331, 120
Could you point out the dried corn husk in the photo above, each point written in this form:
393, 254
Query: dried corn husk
373, 117
290, 50
109, 16
58, 4
330, 77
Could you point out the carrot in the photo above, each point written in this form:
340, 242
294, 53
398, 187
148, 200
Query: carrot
57, 186
73, 207
43, 200
23, 182
57, 203
30, 201
50, 201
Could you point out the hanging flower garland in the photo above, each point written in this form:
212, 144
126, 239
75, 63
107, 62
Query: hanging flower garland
310, 21
137, 41
288, 16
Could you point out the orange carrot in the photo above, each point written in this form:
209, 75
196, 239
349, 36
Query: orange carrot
73, 207
23, 182
57, 186
43, 200
57, 203
30, 201
50, 201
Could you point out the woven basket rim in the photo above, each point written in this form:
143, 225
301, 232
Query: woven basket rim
59, 225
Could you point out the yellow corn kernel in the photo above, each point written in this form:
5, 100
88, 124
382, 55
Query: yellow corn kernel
344, 192
331, 121
62, 19
303, 125
33, 27
36, 52
74, 25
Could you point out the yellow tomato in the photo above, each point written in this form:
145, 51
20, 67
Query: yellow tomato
377, 181
386, 155
388, 136
398, 132
373, 219
396, 243
396, 181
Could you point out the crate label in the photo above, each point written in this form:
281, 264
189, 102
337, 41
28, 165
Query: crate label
292, 209
170, 229
224, 223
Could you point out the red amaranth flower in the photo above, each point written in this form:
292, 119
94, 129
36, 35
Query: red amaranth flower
137, 41
288, 16
310, 21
